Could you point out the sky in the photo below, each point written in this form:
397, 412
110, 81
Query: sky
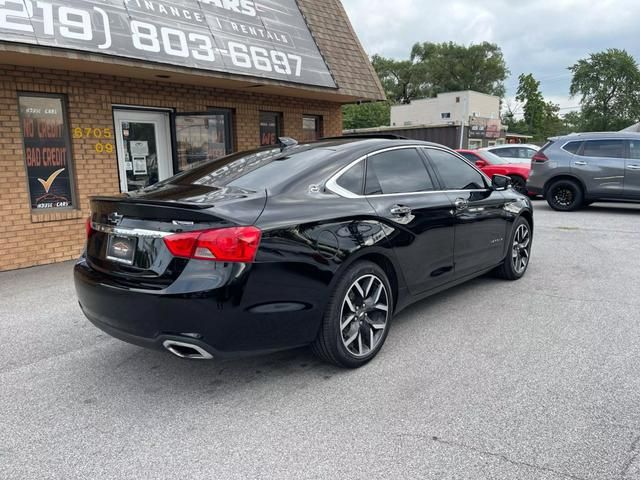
542, 37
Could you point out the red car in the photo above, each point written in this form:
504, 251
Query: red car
491, 164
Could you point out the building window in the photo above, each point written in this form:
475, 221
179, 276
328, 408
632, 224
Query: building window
445, 115
47, 151
270, 128
202, 136
311, 128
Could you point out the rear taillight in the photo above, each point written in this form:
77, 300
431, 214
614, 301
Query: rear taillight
88, 228
237, 244
539, 158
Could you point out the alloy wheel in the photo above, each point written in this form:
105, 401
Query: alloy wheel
521, 249
563, 196
364, 315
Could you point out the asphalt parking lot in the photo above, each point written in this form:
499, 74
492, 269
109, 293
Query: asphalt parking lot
538, 379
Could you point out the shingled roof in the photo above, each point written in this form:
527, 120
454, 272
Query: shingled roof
342, 51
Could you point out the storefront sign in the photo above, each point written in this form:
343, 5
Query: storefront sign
47, 153
261, 38
477, 127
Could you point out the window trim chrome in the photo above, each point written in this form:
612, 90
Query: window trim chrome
332, 183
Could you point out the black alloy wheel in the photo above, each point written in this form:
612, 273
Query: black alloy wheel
565, 195
357, 317
519, 253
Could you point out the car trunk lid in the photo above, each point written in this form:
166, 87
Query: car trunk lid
126, 236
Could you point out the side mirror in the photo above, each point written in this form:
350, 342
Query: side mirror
500, 182
481, 163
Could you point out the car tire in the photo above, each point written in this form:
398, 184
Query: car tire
517, 260
519, 184
565, 195
355, 323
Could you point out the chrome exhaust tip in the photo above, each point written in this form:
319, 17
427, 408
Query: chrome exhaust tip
186, 350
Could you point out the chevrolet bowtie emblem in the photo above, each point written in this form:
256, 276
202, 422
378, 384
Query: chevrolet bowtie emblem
115, 218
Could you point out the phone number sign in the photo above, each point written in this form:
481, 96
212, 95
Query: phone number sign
265, 38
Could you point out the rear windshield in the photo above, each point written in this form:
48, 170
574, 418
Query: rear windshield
254, 170
492, 158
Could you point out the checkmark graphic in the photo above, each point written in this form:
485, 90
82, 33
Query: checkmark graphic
47, 184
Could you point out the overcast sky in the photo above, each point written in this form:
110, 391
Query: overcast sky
542, 37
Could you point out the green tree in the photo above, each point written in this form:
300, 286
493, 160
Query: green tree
403, 80
573, 122
451, 67
366, 115
608, 84
534, 106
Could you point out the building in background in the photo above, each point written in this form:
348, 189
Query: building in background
99, 98
464, 119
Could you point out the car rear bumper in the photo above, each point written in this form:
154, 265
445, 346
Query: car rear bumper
249, 314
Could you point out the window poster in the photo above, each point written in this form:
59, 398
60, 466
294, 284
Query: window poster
47, 152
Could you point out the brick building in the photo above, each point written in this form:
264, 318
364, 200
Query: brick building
79, 119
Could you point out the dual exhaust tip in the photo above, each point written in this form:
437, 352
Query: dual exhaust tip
186, 350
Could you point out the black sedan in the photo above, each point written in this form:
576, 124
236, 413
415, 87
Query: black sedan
317, 244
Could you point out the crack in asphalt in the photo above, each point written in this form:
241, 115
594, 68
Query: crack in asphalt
635, 453
499, 456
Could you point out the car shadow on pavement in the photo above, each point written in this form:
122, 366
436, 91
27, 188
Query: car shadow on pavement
150, 371
618, 209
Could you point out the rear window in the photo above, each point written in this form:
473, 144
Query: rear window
472, 157
253, 170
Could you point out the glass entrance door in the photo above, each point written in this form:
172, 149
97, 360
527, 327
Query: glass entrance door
144, 148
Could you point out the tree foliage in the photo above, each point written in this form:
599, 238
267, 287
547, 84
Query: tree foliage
533, 102
442, 67
608, 84
366, 115
540, 118
452, 67
402, 80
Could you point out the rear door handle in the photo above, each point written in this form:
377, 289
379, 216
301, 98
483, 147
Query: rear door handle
634, 167
461, 203
400, 210
581, 163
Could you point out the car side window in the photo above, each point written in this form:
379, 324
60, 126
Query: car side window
603, 148
397, 171
455, 173
634, 149
572, 147
505, 152
527, 152
352, 180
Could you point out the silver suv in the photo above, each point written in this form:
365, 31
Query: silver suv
578, 169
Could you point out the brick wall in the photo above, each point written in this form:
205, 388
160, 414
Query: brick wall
27, 238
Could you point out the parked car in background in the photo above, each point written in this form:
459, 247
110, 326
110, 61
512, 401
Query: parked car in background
492, 164
579, 169
318, 244
514, 153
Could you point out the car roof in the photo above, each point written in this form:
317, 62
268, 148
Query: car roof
365, 142
597, 135
510, 145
